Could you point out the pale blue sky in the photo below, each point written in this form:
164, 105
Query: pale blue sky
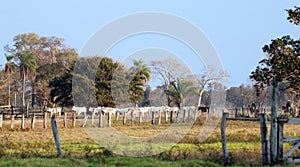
236, 28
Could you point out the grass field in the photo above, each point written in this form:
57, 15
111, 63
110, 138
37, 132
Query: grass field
36, 147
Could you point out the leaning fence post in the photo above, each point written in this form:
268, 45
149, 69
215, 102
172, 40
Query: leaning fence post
223, 135
56, 136
264, 139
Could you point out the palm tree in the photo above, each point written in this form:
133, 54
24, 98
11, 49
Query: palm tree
140, 75
27, 65
179, 90
9, 68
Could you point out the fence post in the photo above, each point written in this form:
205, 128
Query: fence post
166, 116
23, 121
279, 141
1, 120
171, 117
100, 119
109, 119
12, 121
131, 118
159, 117
32, 121
124, 118
65, 119
153, 118
264, 139
183, 115
74, 119
56, 136
223, 135
45, 120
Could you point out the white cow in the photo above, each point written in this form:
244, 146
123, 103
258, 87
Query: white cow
55, 110
79, 110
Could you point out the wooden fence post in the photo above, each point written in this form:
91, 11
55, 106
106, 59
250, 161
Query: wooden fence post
124, 118
100, 120
159, 117
93, 117
23, 121
223, 135
45, 120
177, 116
56, 136
74, 119
171, 117
183, 115
32, 121
166, 116
264, 139
12, 121
140, 117
109, 119
85, 121
152, 118
279, 141
1, 120
65, 119
189, 115
131, 118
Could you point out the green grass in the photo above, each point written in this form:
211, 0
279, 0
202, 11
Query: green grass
101, 161
37, 148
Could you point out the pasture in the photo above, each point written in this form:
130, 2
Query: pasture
36, 147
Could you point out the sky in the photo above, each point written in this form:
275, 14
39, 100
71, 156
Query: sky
236, 29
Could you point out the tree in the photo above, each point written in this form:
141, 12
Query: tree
139, 75
168, 71
282, 65
9, 68
294, 15
209, 77
180, 90
26, 62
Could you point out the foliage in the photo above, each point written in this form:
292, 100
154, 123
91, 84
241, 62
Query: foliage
282, 64
179, 90
294, 15
139, 75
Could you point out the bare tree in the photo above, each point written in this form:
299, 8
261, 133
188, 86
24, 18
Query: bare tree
209, 76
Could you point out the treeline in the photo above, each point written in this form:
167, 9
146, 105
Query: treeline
43, 71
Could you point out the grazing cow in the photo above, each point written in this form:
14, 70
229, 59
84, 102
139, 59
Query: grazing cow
203, 109
79, 110
55, 110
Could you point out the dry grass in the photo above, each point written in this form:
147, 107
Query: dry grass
243, 141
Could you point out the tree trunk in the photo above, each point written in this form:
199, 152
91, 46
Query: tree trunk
23, 90
200, 96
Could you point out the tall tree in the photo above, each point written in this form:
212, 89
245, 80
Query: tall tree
139, 75
9, 68
180, 90
209, 77
282, 65
167, 71
27, 64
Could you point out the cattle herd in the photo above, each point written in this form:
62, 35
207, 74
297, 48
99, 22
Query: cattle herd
186, 113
